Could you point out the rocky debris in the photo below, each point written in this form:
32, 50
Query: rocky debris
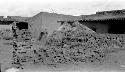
75, 26
82, 45
70, 44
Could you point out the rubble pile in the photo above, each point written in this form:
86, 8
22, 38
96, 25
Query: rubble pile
70, 44
75, 45
81, 45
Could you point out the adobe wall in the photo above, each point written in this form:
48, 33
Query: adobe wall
47, 21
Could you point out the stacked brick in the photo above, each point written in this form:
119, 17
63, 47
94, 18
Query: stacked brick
21, 45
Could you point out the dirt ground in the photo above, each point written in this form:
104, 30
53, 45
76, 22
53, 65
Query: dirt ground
5, 53
116, 62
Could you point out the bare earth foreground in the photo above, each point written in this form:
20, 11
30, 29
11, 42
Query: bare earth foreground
5, 53
115, 64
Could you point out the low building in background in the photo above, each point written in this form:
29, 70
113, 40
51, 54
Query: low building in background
105, 22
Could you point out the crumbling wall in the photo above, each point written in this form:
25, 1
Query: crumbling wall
21, 42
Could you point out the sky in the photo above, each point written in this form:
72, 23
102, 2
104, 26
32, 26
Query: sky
29, 8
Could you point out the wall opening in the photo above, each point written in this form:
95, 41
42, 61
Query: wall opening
117, 27
22, 25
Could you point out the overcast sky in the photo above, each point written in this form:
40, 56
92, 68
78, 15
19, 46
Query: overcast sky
72, 7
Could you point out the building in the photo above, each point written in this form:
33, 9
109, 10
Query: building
17, 18
112, 22
5, 23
